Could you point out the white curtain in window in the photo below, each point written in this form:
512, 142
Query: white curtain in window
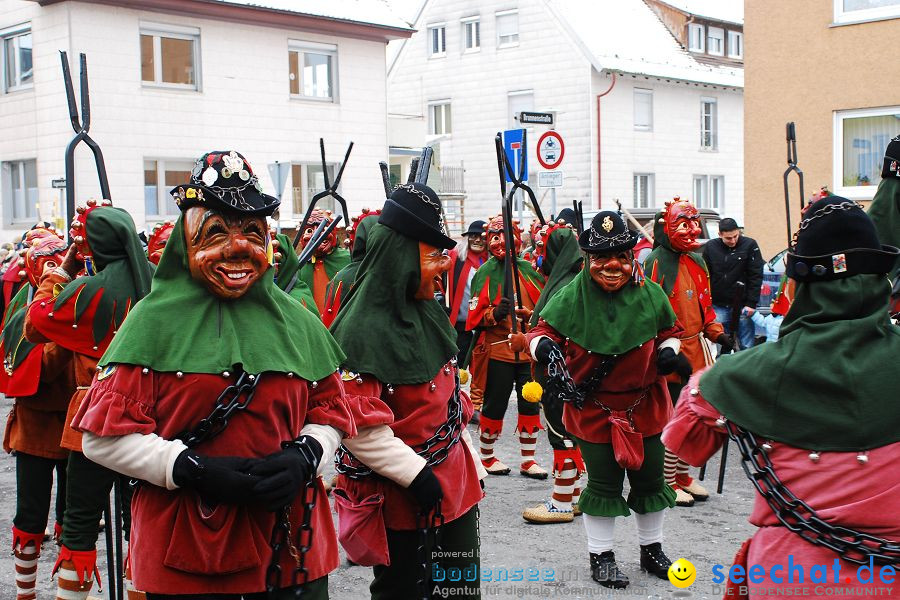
864, 142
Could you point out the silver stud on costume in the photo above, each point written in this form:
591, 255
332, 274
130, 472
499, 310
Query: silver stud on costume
226, 374
390, 389
695, 392
74, 325
432, 387
145, 370
720, 422
814, 456
862, 458
251, 377
315, 384
766, 446
290, 375
179, 374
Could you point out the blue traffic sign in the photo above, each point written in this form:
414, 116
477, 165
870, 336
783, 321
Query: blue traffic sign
512, 145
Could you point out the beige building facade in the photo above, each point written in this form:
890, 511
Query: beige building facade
827, 66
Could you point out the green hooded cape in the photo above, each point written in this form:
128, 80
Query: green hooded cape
663, 260
830, 381
885, 214
383, 329
562, 262
287, 270
180, 326
609, 323
16, 347
123, 275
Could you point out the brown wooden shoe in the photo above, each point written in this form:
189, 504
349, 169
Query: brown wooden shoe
547, 513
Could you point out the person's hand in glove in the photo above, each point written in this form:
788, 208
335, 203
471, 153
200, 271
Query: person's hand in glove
544, 348
426, 489
218, 479
501, 311
666, 361
284, 473
726, 342
517, 342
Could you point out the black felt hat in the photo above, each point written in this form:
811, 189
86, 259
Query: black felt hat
607, 233
568, 216
224, 180
891, 166
415, 211
475, 227
837, 239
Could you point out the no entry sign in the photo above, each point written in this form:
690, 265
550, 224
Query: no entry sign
550, 150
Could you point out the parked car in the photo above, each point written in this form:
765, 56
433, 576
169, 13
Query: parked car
772, 272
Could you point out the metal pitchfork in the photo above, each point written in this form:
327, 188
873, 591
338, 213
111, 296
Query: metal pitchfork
329, 191
791, 139
81, 126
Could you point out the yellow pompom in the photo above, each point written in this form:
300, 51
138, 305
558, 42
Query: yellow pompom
463, 376
532, 391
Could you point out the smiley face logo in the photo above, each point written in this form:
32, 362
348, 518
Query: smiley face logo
682, 573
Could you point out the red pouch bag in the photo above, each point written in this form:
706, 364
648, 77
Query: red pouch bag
361, 528
628, 444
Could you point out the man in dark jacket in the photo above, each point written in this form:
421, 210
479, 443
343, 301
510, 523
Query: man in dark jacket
734, 259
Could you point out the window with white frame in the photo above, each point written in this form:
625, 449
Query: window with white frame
160, 176
16, 54
307, 181
437, 40
717, 192
507, 23
312, 70
170, 56
696, 38
20, 191
471, 34
735, 44
517, 102
439, 117
715, 41
852, 11
643, 190
643, 109
701, 193
860, 138
709, 127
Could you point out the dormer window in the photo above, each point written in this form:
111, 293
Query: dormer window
735, 44
696, 38
715, 41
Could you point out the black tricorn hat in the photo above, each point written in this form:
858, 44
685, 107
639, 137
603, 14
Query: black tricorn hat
607, 233
891, 165
224, 180
837, 239
414, 210
475, 227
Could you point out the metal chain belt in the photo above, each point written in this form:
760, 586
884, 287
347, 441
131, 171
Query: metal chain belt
283, 536
560, 384
795, 514
347, 464
826, 210
228, 402
424, 524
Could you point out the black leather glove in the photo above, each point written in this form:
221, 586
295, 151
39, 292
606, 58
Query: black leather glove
426, 489
284, 473
543, 349
683, 366
726, 342
501, 311
218, 479
666, 361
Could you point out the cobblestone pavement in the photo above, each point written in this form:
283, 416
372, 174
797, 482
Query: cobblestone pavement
707, 534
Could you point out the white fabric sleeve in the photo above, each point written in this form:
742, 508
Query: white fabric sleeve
533, 345
387, 455
328, 437
673, 342
479, 468
143, 456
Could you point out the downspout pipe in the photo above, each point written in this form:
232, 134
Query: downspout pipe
599, 146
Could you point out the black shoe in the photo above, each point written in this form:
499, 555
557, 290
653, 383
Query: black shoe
655, 561
605, 571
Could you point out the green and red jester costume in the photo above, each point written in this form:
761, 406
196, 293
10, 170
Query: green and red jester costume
287, 276
617, 335
342, 281
413, 464
495, 367
83, 316
221, 511
326, 261
682, 273
40, 379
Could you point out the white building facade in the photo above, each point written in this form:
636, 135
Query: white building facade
166, 87
643, 118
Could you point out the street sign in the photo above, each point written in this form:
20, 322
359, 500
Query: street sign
58, 184
550, 179
536, 118
550, 150
512, 145
279, 172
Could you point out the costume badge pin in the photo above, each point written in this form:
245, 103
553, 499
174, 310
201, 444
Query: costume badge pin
209, 176
348, 375
839, 263
106, 372
689, 294
607, 224
473, 303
